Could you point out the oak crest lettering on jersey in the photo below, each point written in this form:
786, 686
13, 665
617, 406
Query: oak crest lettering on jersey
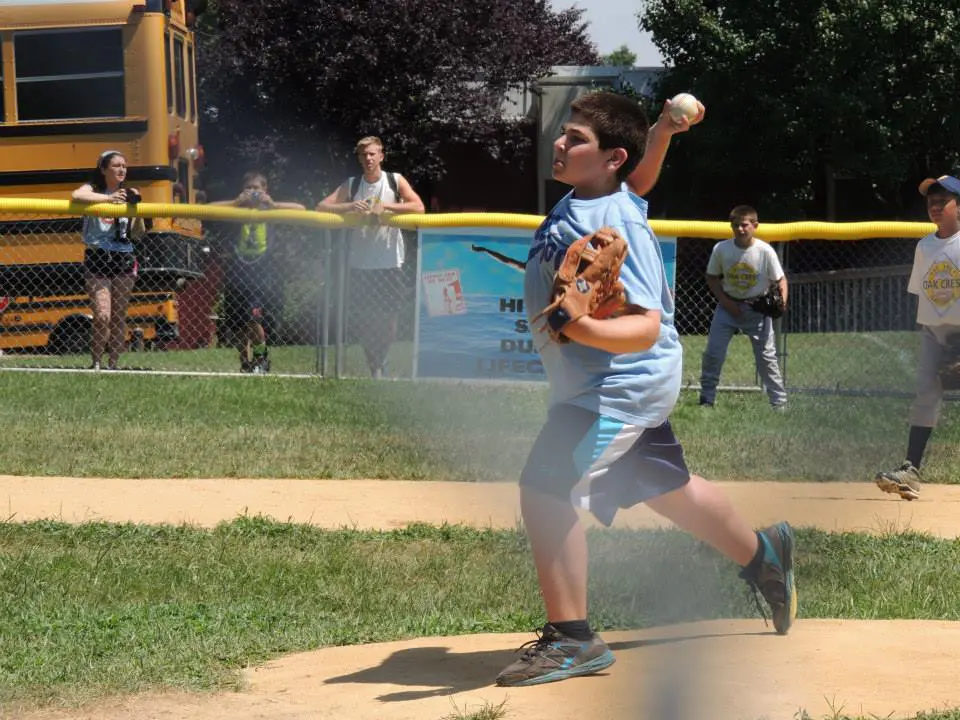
942, 283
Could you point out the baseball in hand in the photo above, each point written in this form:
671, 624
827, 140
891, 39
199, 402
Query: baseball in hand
682, 105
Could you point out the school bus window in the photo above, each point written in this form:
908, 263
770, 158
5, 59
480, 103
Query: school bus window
178, 74
192, 83
166, 45
65, 74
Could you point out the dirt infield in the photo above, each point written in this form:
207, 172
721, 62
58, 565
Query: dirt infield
731, 670
385, 504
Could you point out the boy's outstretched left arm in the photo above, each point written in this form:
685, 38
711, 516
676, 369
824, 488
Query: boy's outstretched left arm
631, 333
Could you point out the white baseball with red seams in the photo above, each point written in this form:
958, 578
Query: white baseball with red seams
682, 105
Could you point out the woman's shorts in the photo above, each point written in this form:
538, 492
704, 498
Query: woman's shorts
109, 263
602, 464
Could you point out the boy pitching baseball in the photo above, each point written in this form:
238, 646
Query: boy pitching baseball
607, 442
933, 280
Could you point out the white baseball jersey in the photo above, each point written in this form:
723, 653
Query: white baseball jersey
747, 272
935, 279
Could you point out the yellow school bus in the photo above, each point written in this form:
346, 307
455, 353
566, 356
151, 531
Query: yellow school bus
79, 77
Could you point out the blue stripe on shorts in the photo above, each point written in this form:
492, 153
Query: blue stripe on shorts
601, 463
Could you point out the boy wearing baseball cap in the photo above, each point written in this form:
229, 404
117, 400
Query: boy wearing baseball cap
935, 280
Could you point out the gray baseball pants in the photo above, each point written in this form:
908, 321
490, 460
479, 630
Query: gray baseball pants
925, 409
759, 328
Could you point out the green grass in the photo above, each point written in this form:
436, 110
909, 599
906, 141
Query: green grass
94, 609
879, 361
495, 712
850, 361
487, 711
839, 715
128, 425
289, 359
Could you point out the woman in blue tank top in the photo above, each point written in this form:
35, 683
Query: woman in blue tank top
109, 263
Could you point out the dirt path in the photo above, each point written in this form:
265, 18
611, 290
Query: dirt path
374, 504
739, 669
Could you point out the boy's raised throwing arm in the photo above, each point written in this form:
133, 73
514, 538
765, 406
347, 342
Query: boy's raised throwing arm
647, 172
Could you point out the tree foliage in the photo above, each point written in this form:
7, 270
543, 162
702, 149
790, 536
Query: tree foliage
802, 90
292, 86
621, 57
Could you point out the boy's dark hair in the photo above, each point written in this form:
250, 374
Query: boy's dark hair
743, 211
254, 175
618, 122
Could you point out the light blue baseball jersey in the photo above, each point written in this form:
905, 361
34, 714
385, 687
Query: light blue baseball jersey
637, 388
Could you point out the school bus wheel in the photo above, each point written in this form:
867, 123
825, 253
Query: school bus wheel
71, 336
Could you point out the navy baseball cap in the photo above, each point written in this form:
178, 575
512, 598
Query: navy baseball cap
947, 182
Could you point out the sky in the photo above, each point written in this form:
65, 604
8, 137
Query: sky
614, 23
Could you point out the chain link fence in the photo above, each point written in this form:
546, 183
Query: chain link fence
849, 328
197, 303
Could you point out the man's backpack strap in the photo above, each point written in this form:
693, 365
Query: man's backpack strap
391, 181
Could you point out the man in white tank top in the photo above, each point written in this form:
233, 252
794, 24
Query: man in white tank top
741, 269
377, 252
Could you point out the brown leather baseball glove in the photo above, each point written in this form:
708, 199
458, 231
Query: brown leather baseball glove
587, 282
770, 303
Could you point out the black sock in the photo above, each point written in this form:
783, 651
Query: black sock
576, 629
754, 564
917, 444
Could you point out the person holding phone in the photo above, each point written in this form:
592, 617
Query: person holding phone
110, 264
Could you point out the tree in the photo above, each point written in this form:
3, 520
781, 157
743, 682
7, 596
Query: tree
804, 92
292, 86
621, 57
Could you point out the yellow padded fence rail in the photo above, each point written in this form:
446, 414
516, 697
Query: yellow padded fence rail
773, 232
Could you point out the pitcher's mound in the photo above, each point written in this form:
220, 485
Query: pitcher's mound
717, 670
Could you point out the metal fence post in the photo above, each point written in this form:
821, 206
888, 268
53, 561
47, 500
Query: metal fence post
341, 301
778, 325
323, 315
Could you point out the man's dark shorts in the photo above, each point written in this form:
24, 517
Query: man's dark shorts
377, 292
602, 463
251, 294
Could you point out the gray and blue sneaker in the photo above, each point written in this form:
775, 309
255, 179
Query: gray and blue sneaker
553, 656
773, 576
903, 481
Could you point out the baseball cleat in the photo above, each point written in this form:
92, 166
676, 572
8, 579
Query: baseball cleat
904, 481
